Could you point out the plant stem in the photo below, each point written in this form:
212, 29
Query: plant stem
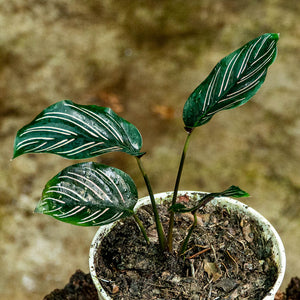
160, 232
142, 228
187, 238
171, 221
203, 202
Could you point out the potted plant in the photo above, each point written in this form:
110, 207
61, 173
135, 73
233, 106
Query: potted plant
92, 194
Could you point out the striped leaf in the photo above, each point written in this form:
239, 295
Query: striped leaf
232, 82
89, 194
77, 131
232, 191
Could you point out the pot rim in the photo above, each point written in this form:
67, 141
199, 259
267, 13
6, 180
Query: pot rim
278, 248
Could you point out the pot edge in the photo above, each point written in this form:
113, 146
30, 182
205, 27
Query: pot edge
278, 249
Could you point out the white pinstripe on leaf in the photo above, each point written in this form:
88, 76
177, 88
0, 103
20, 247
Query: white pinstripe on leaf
233, 81
89, 194
78, 131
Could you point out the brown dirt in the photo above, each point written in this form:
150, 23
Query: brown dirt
80, 287
226, 258
293, 289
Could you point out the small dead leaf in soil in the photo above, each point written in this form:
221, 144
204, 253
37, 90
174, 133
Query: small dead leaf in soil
202, 219
227, 284
183, 199
247, 232
212, 270
115, 289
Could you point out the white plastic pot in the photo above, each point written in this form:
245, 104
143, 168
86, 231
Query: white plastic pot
268, 232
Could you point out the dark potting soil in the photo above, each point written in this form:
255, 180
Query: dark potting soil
226, 259
80, 287
293, 289
86, 289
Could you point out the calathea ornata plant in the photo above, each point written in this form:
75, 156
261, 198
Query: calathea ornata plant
92, 194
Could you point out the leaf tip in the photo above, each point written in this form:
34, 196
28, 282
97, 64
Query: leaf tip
246, 195
15, 155
275, 36
39, 209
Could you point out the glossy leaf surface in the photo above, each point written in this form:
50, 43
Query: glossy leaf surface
233, 191
77, 131
89, 194
232, 82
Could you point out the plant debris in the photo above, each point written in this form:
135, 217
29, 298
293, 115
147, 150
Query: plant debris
226, 259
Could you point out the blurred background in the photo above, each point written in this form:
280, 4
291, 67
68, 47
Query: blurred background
143, 59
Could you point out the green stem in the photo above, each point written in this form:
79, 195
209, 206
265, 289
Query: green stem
171, 221
187, 238
142, 228
160, 232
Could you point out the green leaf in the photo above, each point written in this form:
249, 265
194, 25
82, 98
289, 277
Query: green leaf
179, 208
233, 191
232, 82
89, 194
77, 131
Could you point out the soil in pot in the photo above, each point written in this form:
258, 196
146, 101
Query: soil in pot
226, 259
